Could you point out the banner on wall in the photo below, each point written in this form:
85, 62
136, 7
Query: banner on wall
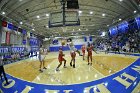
3, 37
7, 37
90, 38
24, 37
12, 38
4, 23
24, 32
24, 42
19, 41
28, 35
15, 28
85, 39
10, 26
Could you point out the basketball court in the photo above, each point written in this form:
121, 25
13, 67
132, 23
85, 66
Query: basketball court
103, 66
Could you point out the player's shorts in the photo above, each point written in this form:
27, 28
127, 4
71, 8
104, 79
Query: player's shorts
83, 52
89, 54
73, 54
61, 59
41, 57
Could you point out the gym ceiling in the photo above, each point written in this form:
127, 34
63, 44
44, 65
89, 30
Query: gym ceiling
95, 16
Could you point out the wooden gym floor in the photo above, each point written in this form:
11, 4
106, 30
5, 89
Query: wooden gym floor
103, 65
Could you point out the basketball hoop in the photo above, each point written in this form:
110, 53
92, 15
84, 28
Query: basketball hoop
72, 10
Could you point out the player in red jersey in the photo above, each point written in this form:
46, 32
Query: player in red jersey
60, 59
89, 50
83, 48
72, 53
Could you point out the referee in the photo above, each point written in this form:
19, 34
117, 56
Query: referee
2, 69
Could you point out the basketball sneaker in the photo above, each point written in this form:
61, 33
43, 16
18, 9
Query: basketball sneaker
57, 69
44, 68
71, 64
74, 66
40, 70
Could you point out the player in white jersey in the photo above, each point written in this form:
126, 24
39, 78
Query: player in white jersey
42, 55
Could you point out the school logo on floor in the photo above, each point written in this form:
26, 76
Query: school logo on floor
122, 82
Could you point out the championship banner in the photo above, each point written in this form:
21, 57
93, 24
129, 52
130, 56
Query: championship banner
3, 39
124, 81
4, 23
85, 39
10, 26
7, 37
90, 38
24, 38
15, 28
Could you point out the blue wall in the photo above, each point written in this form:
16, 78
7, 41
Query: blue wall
64, 48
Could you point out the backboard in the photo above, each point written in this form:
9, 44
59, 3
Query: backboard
71, 19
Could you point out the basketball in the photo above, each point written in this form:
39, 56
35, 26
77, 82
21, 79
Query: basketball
63, 43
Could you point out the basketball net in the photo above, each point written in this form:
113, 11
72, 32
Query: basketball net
72, 10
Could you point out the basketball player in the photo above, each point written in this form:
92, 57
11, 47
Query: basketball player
105, 48
92, 47
127, 47
89, 50
41, 56
72, 53
2, 71
83, 51
71, 46
60, 59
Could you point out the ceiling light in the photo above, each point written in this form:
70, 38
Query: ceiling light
103, 14
20, 0
135, 11
33, 29
37, 16
91, 12
47, 15
3, 13
80, 12
108, 25
21, 23
120, 19
120, 0
79, 29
